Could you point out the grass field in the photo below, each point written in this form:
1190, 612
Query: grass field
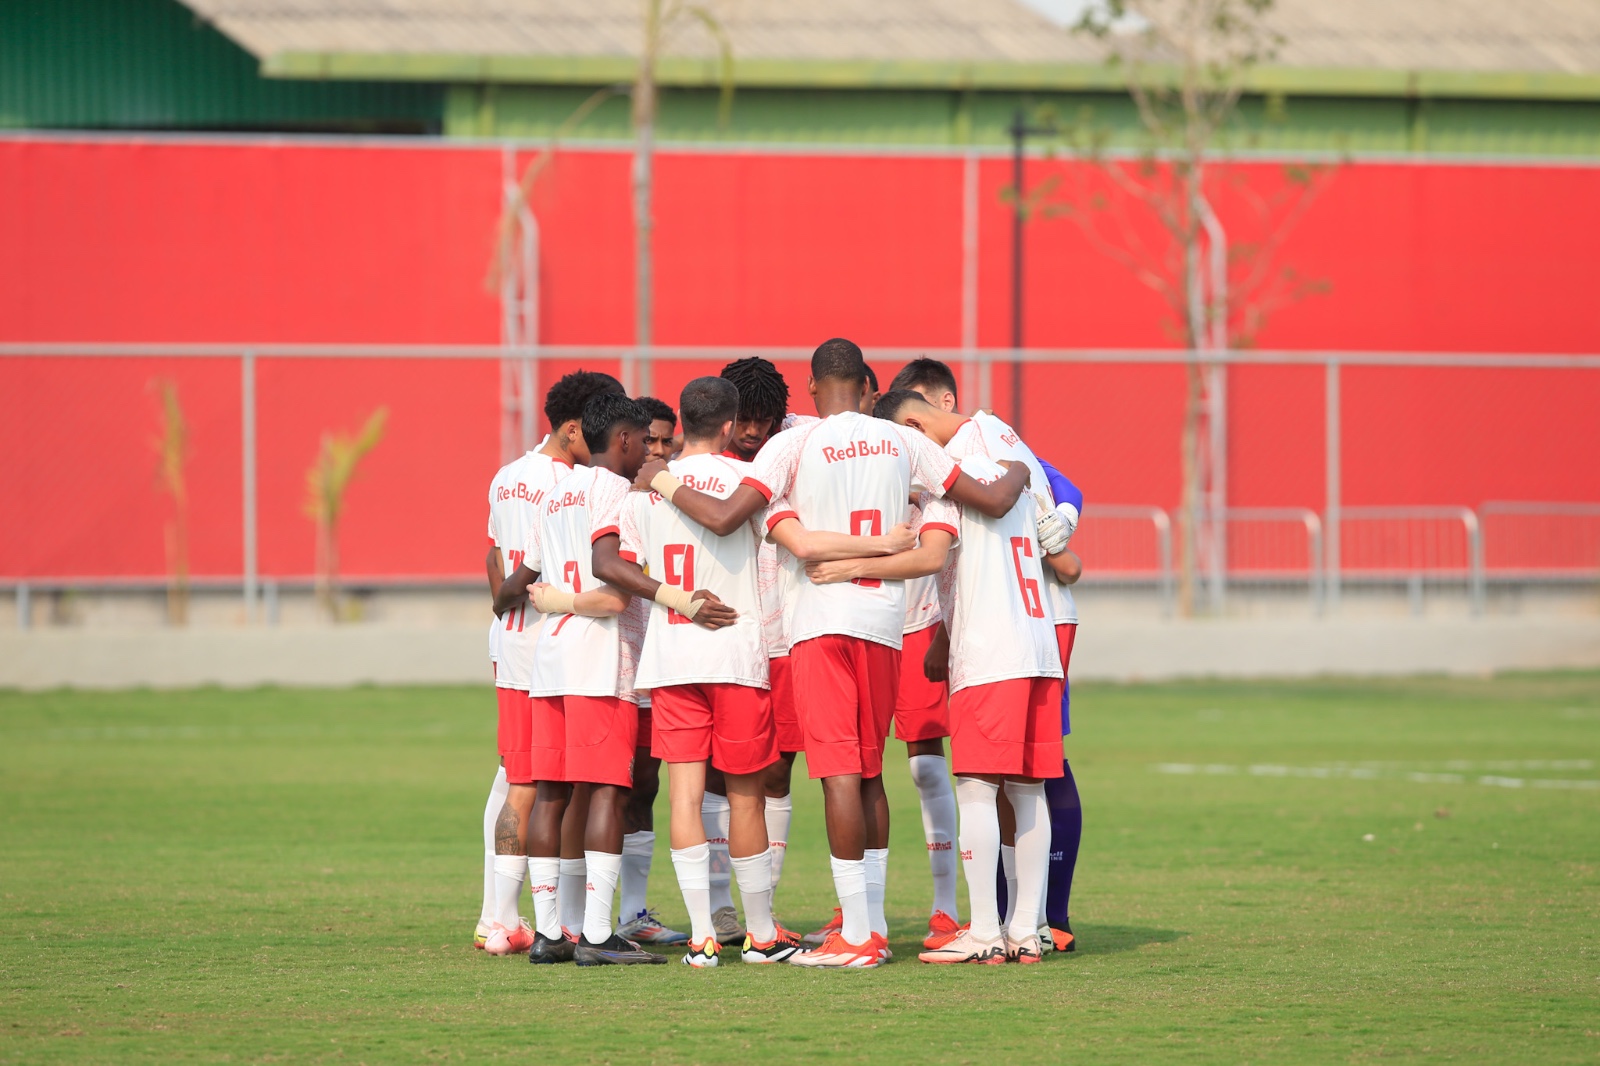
1318, 872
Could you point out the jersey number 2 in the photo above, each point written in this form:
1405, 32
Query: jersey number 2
678, 562
1021, 548
866, 524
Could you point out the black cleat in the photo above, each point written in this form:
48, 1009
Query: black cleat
545, 950
616, 951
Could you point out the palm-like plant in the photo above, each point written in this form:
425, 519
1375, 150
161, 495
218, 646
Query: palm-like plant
327, 481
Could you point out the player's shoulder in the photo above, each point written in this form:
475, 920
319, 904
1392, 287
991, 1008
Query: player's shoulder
791, 420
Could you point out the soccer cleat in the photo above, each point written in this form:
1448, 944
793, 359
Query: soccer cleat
503, 941
964, 947
779, 949
835, 953
1061, 939
725, 920
1026, 950
1046, 943
646, 928
480, 935
881, 942
545, 950
835, 924
704, 955
941, 929
615, 951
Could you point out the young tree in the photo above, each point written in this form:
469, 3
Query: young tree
172, 450
327, 481
1185, 64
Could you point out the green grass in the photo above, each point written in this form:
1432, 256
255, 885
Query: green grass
293, 876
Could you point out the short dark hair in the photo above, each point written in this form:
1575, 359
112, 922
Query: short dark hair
657, 410
872, 379
606, 411
762, 391
925, 373
707, 403
839, 360
890, 403
568, 397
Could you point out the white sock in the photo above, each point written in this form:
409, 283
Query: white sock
1032, 856
509, 870
637, 851
570, 897
1008, 863
694, 879
714, 813
980, 850
931, 775
877, 860
491, 817
850, 882
780, 809
604, 869
544, 878
755, 892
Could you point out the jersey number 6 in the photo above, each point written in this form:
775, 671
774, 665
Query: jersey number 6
1020, 548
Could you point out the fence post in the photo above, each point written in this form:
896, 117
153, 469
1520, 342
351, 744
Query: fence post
1164, 546
1314, 562
24, 606
1331, 517
1474, 561
248, 410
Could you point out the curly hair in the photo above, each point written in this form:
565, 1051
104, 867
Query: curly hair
568, 397
762, 391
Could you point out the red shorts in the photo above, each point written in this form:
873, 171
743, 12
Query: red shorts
731, 725
584, 739
785, 713
647, 727
516, 734
922, 708
847, 687
1066, 633
1007, 727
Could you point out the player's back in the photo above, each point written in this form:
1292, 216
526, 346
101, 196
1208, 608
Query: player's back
679, 551
516, 495
990, 593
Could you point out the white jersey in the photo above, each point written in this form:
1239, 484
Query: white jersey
985, 435
989, 591
922, 593
515, 495
849, 473
679, 551
777, 579
578, 656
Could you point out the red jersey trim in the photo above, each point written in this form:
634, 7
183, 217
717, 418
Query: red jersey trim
772, 523
628, 556
951, 480
493, 543
759, 487
608, 531
945, 526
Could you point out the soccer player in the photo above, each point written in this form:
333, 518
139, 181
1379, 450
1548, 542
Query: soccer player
843, 474
515, 495
641, 922
924, 397
709, 687
1005, 683
584, 714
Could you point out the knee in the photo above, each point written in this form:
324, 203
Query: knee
929, 774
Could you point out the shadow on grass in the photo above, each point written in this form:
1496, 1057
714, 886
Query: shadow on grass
1094, 939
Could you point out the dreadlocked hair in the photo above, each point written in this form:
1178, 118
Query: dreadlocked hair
762, 391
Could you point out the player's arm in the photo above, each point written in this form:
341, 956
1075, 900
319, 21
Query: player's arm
816, 545
514, 589
994, 499
928, 557
721, 516
496, 570
1067, 566
702, 605
602, 602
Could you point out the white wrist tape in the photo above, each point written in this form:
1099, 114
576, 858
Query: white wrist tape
678, 600
664, 485
549, 600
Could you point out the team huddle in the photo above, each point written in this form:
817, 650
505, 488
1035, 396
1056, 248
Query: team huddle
771, 584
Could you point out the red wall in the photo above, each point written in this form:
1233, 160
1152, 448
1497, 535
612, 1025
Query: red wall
149, 240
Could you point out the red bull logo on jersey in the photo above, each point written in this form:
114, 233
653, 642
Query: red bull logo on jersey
520, 492
860, 449
705, 484
567, 499
1011, 439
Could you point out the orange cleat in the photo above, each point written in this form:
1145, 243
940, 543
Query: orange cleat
835, 954
964, 947
835, 924
941, 930
505, 941
1027, 950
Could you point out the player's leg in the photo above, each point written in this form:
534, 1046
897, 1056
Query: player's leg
683, 739
491, 817
552, 798
714, 813
572, 894
1006, 872
922, 720
880, 684
601, 737
640, 922
510, 935
1041, 742
779, 776
1066, 816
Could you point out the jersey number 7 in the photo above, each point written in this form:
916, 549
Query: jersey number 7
866, 524
678, 564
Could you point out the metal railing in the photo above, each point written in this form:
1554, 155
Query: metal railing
1540, 541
